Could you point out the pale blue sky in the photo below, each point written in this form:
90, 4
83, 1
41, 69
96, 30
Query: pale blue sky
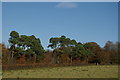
84, 22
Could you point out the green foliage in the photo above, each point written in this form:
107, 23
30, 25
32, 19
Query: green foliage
63, 45
57, 52
80, 52
62, 41
28, 45
14, 34
29, 53
14, 38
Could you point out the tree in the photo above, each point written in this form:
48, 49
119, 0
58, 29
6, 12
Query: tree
64, 45
25, 45
62, 41
53, 43
4, 54
112, 49
56, 54
14, 38
18, 52
61, 45
80, 52
23, 41
95, 49
38, 49
108, 45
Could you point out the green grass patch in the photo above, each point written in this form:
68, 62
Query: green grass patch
96, 71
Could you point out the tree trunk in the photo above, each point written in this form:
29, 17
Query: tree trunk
87, 60
58, 58
71, 59
34, 58
12, 52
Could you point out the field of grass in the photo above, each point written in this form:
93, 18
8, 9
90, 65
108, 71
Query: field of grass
96, 71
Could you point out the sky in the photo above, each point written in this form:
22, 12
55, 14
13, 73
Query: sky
82, 21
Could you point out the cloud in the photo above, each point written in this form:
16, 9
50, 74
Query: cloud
66, 5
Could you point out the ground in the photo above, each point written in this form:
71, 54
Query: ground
96, 71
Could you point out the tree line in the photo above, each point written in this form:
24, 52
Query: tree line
28, 49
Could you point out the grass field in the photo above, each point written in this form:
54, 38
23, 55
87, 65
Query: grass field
99, 71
